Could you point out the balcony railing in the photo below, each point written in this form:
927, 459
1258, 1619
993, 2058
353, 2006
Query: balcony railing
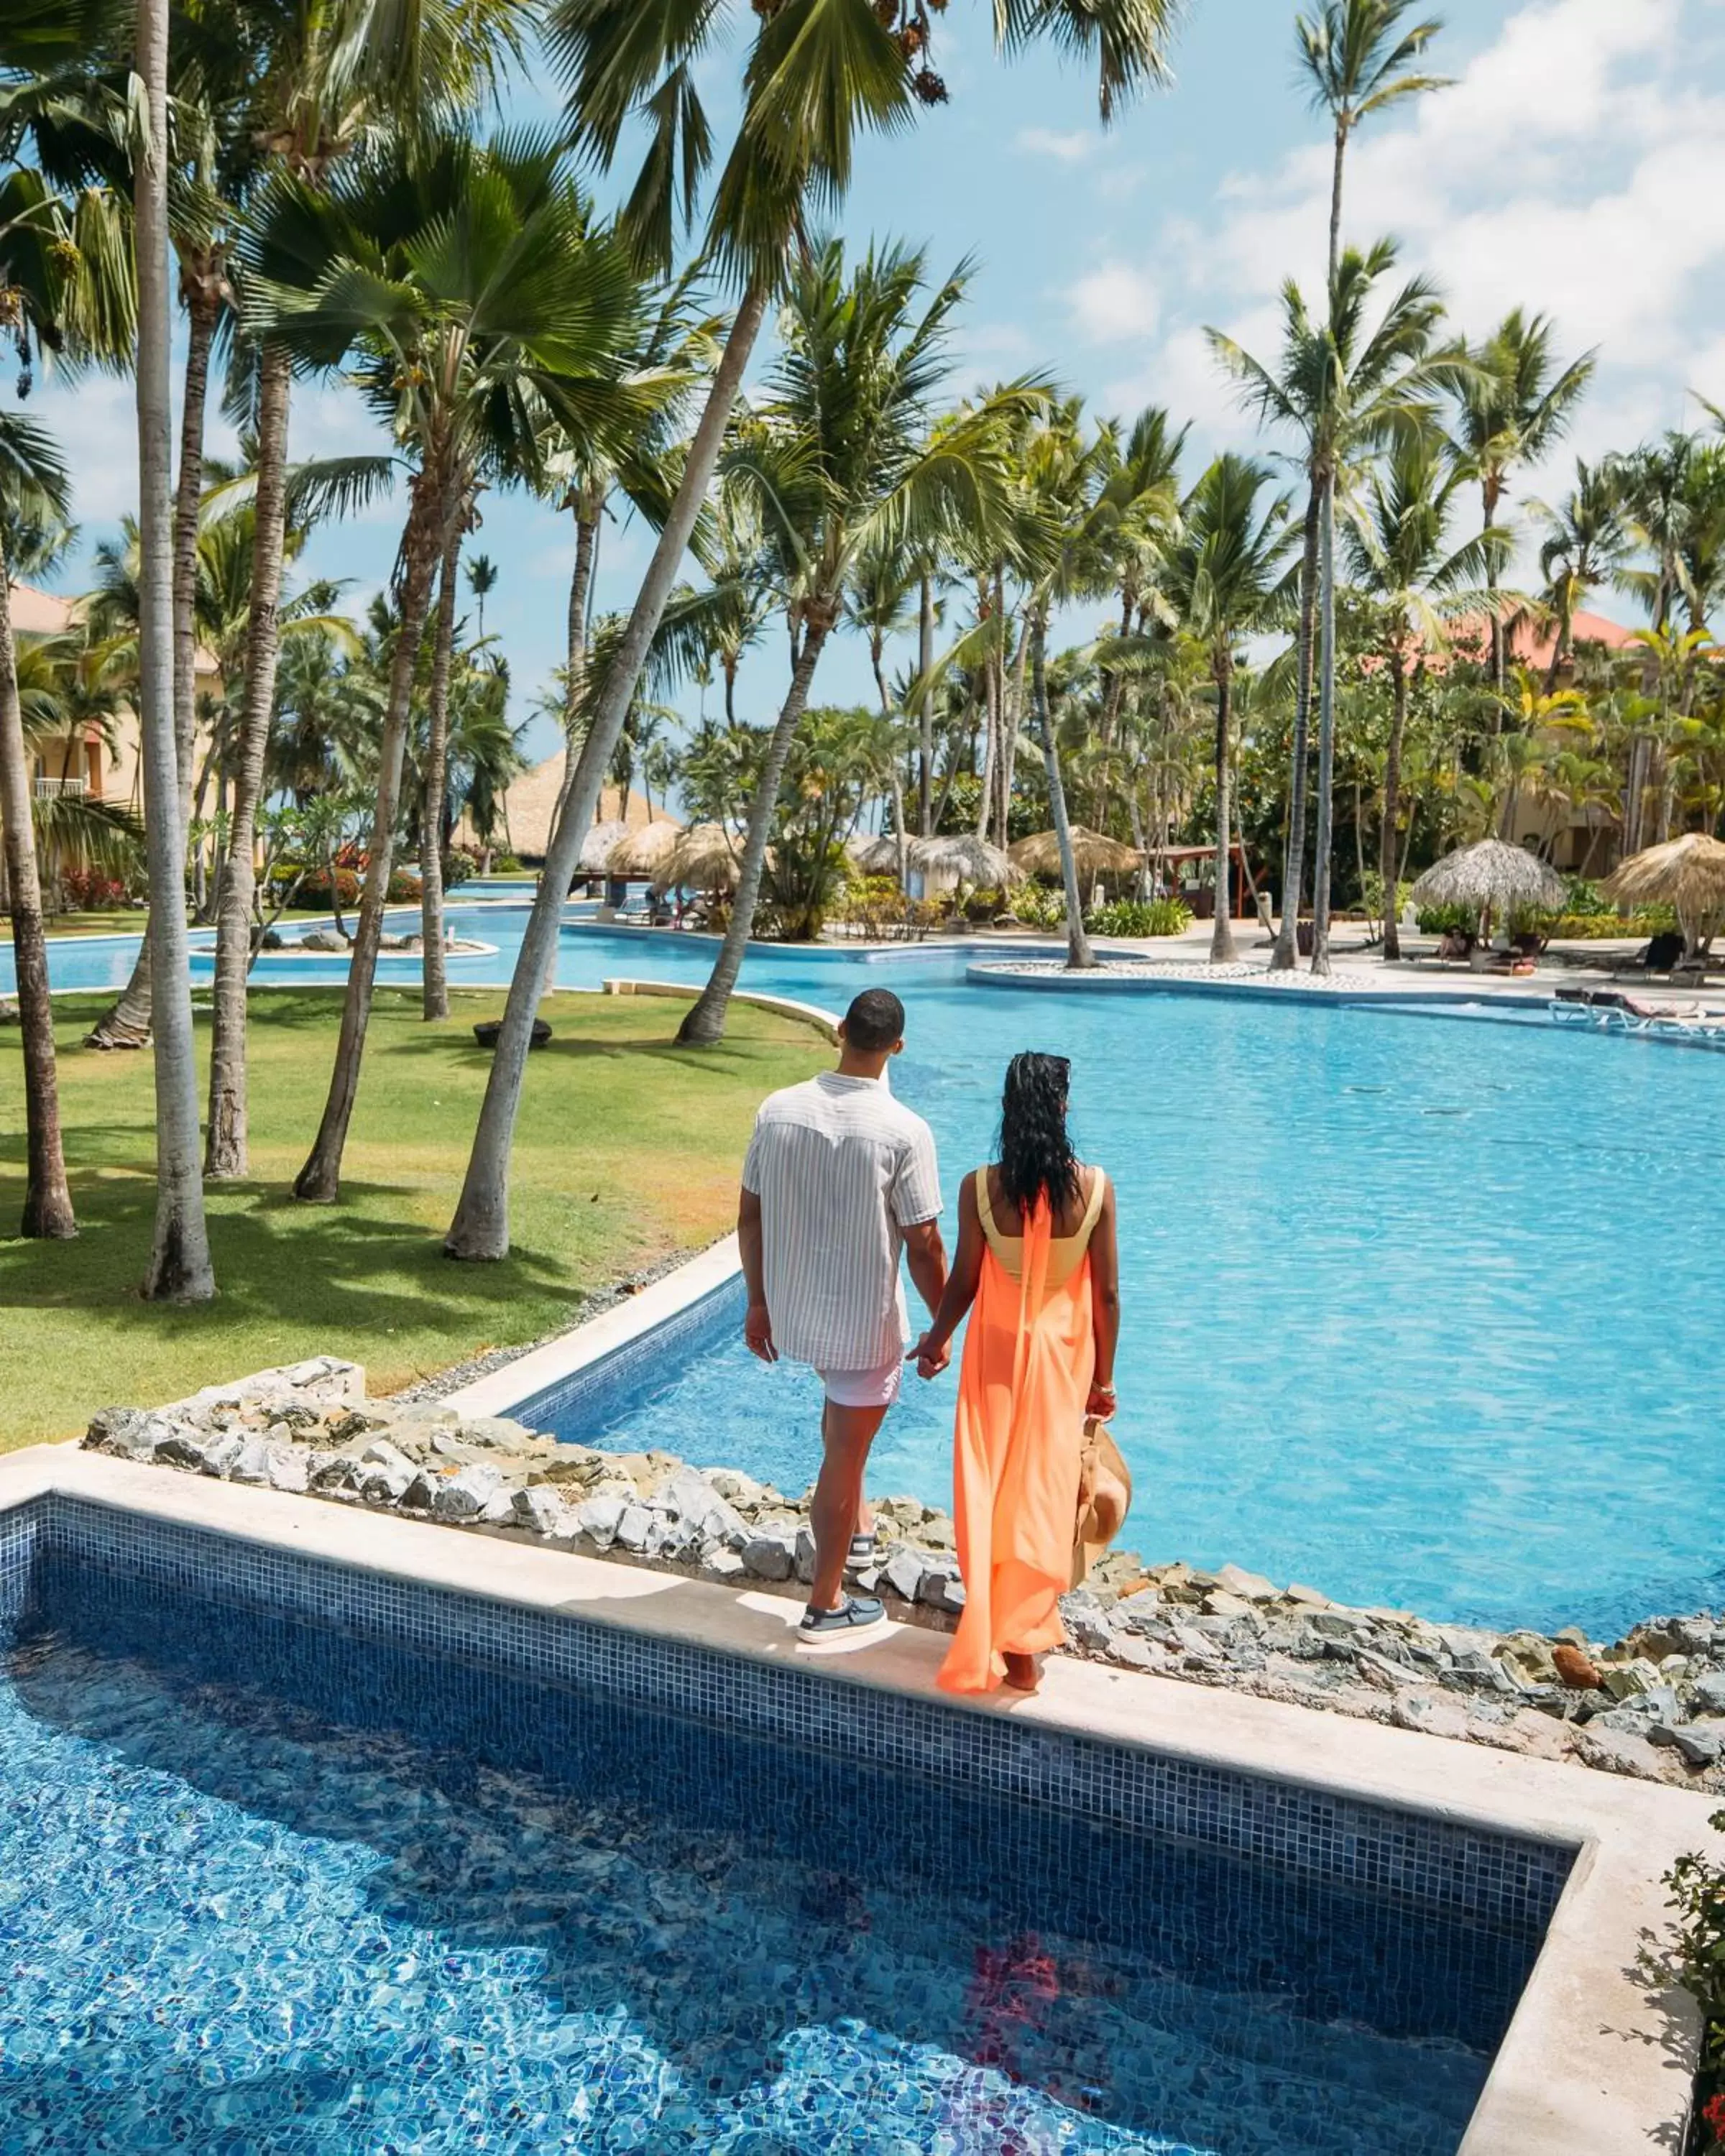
55, 789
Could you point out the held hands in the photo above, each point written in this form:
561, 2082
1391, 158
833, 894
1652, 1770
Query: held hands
930, 1356
757, 1331
1102, 1403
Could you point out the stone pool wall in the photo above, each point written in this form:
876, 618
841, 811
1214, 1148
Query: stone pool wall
1651, 1704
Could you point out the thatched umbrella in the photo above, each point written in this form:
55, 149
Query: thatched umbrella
1686, 873
1488, 876
873, 856
596, 846
704, 858
1094, 854
965, 857
642, 852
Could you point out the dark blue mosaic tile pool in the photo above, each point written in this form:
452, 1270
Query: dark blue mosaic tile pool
271, 1884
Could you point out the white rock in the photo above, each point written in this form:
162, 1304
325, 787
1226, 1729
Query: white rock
597, 1517
464, 1495
634, 1527
542, 1510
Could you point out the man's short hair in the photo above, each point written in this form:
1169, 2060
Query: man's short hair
874, 1020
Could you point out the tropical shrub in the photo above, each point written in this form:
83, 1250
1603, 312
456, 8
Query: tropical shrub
507, 864
1440, 920
315, 890
1584, 897
982, 906
88, 891
1139, 916
459, 867
874, 908
1695, 1891
1039, 906
404, 887
1592, 928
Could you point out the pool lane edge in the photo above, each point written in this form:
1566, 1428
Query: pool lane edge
1592, 2064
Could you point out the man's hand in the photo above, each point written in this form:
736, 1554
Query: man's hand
930, 1361
757, 1330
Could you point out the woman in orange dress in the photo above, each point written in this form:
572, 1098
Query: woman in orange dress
1038, 1258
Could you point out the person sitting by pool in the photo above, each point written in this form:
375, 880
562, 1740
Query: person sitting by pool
1038, 1257
839, 1180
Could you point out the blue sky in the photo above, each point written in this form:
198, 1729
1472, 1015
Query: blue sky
1577, 167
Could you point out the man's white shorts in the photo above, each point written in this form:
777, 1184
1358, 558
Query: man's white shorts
864, 1388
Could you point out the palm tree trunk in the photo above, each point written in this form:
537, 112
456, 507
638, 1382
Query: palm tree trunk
877, 655
318, 1181
925, 666
1283, 958
1326, 728
586, 529
1389, 860
1079, 957
226, 1157
179, 1269
1340, 160
1012, 712
989, 789
481, 1227
128, 1024
704, 1026
48, 1199
1490, 493
1222, 950
434, 1006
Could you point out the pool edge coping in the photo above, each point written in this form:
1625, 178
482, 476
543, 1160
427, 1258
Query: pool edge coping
1592, 2063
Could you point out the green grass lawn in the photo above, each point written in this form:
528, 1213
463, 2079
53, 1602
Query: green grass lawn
128, 920
627, 1150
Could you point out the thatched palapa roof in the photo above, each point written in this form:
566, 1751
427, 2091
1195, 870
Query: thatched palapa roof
706, 857
873, 856
1687, 873
596, 847
1490, 872
1094, 852
962, 854
641, 853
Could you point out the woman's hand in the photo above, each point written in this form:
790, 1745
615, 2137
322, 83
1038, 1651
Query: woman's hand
1103, 1403
930, 1355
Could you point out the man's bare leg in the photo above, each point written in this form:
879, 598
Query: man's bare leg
839, 1507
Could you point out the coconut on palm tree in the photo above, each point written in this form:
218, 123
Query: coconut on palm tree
814, 83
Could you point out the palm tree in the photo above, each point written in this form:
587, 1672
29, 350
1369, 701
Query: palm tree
1513, 405
481, 582
466, 289
179, 1270
32, 485
1402, 558
1361, 60
1586, 544
842, 451
887, 581
1342, 385
813, 82
1224, 575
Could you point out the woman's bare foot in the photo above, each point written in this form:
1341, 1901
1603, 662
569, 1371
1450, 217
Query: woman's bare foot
1024, 1673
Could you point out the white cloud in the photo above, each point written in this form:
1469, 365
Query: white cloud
1576, 168
1046, 143
1115, 304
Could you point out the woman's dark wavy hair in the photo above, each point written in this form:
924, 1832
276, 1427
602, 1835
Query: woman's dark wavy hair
1036, 1154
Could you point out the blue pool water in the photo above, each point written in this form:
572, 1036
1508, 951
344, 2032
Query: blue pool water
264, 1888
1418, 1312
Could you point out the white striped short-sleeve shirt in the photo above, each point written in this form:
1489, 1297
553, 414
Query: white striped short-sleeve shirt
841, 1170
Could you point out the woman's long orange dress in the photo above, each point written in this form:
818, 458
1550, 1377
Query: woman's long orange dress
1024, 1384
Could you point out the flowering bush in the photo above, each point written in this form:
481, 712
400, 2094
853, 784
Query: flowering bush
1039, 907
316, 889
459, 867
1697, 1892
87, 891
404, 887
1135, 916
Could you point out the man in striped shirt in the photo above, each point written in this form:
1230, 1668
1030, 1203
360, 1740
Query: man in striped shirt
839, 1180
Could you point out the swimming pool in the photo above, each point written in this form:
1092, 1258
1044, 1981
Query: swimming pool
276, 1873
1418, 1313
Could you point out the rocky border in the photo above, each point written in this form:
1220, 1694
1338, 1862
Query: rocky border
1651, 1705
